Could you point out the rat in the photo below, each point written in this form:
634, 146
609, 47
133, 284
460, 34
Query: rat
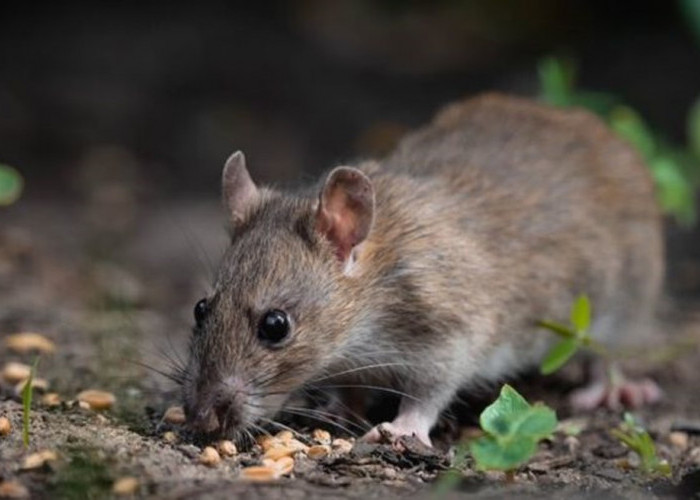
426, 273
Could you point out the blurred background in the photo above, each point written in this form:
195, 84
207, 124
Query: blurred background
118, 116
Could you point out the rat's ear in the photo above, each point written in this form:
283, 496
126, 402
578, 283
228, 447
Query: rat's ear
238, 190
345, 210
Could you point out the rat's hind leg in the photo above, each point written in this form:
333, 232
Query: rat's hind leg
609, 388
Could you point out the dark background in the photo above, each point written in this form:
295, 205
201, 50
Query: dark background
171, 88
119, 110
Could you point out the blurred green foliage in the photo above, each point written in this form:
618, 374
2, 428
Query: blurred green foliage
675, 169
10, 185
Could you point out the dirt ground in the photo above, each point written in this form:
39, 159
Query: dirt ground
115, 294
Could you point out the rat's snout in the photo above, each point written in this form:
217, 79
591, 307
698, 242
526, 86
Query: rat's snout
223, 409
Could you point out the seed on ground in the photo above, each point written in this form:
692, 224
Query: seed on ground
51, 399
260, 473
13, 489
321, 436
96, 399
38, 384
226, 448
169, 437
14, 372
277, 452
174, 415
284, 465
296, 445
209, 457
266, 442
37, 460
5, 426
284, 436
29, 342
679, 440
318, 451
342, 445
125, 486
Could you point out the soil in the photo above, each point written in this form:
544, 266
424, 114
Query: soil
115, 295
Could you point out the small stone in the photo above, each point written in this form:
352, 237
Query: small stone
27, 342
174, 415
679, 440
209, 457
226, 448
97, 399
694, 455
13, 489
14, 372
37, 460
169, 437
259, 473
51, 399
342, 445
321, 436
318, 451
83, 405
125, 486
38, 384
5, 426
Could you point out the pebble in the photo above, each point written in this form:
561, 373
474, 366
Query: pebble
318, 451
14, 372
226, 448
209, 457
27, 342
174, 415
51, 399
125, 486
96, 399
321, 436
37, 460
679, 440
13, 489
5, 426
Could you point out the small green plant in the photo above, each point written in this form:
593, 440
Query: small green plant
10, 185
636, 438
27, 392
573, 337
513, 428
675, 169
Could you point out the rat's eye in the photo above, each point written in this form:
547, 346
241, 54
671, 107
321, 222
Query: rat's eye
201, 309
274, 327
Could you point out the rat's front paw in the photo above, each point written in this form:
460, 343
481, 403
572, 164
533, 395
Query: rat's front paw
389, 432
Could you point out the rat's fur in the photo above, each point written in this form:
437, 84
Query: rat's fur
493, 217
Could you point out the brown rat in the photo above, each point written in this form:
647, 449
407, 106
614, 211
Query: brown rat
426, 272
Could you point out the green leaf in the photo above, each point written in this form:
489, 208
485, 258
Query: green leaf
559, 355
558, 328
539, 422
630, 125
691, 14
27, 391
498, 418
490, 454
10, 185
556, 77
581, 313
675, 193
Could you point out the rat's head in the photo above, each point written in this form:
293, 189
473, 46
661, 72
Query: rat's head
283, 299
